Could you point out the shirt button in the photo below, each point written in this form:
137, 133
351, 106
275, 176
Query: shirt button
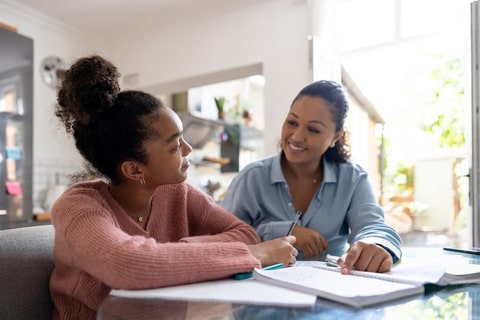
289, 204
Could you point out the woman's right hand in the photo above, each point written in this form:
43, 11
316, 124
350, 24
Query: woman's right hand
280, 250
309, 241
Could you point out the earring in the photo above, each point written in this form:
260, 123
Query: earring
332, 145
142, 181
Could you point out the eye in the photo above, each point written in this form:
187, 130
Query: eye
292, 123
313, 130
177, 147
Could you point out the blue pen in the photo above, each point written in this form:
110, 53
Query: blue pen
294, 223
246, 275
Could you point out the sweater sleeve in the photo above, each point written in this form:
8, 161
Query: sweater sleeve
211, 223
88, 238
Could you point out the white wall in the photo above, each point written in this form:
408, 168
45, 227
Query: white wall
272, 33
53, 152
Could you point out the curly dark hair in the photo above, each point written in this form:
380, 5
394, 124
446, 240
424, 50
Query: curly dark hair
109, 125
335, 95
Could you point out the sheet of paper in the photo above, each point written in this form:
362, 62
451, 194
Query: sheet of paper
415, 271
464, 269
247, 291
13, 188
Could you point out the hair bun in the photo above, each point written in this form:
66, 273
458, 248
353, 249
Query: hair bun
90, 87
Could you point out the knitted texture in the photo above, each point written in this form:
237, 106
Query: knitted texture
188, 238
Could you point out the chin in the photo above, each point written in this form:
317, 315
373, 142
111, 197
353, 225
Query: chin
183, 177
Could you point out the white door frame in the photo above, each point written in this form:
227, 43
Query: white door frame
475, 130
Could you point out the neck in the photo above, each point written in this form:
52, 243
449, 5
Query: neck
135, 202
309, 172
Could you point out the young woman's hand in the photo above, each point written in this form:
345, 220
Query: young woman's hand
366, 257
280, 250
309, 241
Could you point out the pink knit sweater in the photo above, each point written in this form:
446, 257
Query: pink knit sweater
188, 238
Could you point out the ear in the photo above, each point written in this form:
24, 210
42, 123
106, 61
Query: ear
337, 136
131, 170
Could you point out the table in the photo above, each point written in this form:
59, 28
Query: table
454, 302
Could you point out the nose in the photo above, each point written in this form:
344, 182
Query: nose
186, 147
297, 134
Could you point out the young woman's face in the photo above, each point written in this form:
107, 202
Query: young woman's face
166, 156
308, 130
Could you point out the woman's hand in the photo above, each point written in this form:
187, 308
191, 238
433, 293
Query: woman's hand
309, 241
364, 256
275, 251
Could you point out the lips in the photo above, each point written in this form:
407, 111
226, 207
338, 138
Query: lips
296, 148
186, 164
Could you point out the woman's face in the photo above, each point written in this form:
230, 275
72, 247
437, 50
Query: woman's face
166, 155
308, 130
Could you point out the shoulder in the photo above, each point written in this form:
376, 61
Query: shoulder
82, 197
92, 189
345, 170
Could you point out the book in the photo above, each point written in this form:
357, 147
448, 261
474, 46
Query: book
461, 273
361, 288
246, 291
348, 289
442, 271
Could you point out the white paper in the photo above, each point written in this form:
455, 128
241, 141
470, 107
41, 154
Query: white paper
247, 291
349, 289
414, 271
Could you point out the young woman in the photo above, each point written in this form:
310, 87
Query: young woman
313, 174
141, 226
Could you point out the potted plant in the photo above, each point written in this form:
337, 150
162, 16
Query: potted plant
220, 103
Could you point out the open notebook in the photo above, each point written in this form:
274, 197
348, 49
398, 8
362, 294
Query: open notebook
360, 289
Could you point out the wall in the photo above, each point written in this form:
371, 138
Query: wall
272, 33
53, 152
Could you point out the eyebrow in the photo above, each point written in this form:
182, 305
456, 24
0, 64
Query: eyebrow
311, 121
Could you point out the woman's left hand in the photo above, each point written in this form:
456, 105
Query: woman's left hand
364, 256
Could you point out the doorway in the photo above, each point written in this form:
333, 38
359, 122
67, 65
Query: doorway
412, 62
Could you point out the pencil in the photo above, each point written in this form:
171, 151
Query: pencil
294, 223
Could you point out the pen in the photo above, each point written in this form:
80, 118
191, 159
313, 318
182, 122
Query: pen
294, 223
246, 275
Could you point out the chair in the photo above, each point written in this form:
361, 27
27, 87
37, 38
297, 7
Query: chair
26, 262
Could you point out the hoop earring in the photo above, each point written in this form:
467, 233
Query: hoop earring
142, 181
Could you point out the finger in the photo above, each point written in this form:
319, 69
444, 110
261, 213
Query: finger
386, 265
308, 251
317, 247
291, 239
293, 260
295, 252
324, 243
374, 263
349, 261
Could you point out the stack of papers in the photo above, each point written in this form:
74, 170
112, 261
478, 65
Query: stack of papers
247, 291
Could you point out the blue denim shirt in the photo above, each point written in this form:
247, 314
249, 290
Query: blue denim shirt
343, 210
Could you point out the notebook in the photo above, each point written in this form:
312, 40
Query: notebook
361, 289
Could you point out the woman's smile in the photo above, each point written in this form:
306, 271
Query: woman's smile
295, 149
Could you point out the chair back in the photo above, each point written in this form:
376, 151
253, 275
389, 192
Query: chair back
26, 263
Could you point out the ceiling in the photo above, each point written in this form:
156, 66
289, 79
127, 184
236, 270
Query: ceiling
108, 17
